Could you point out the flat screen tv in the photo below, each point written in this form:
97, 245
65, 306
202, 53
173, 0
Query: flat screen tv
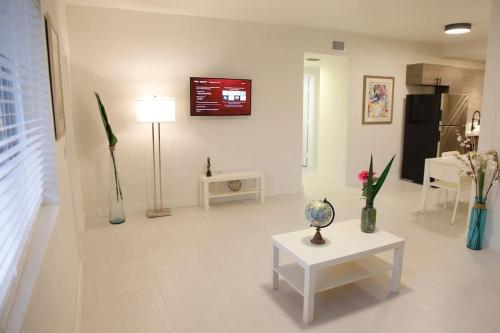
220, 97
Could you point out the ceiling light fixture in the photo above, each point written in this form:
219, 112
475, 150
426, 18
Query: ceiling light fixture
457, 28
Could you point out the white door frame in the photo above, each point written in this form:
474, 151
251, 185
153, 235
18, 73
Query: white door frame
308, 120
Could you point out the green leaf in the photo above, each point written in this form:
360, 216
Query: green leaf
369, 182
112, 140
382, 177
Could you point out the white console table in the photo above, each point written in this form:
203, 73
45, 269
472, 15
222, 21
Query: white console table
206, 194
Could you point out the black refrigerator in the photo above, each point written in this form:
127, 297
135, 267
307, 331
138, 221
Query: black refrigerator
430, 126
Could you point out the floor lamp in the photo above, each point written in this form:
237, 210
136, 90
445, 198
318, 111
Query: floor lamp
156, 111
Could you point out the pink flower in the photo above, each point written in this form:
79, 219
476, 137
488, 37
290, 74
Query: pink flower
363, 176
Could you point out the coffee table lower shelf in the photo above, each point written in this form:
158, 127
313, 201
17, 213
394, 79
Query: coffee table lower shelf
334, 276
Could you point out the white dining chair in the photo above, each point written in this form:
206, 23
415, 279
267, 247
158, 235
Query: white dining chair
446, 154
448, 180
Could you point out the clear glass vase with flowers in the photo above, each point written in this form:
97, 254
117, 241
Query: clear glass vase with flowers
371, 186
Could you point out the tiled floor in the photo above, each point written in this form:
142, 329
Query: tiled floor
200, 271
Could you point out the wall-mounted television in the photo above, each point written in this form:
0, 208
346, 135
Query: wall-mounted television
220, 97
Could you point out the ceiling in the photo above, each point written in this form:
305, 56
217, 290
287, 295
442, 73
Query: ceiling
415, 20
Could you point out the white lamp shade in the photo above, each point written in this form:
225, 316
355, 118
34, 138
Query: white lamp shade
155, 110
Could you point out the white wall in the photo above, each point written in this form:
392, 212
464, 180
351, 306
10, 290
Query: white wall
53, 305
156, 55
490, 134
473, 50
126, 54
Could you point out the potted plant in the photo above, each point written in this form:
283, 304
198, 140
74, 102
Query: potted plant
371, 187
484, 170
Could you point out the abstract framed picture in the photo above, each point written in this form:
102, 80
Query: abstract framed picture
378, 99
55, 79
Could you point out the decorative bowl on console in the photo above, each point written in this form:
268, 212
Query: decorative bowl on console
234, 185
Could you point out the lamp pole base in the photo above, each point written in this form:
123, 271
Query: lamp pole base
152, 213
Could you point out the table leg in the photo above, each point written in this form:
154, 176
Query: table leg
425, 187
457, 198
397, 267
205, 195
309, 290
276, 263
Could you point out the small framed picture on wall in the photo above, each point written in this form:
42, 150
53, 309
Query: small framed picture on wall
378, 99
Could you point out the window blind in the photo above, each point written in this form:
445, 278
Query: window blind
26, 131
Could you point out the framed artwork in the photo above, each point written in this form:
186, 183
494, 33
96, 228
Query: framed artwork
55, 78
378, 99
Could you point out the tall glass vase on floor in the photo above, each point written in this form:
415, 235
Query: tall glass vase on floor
116, 212
477, 223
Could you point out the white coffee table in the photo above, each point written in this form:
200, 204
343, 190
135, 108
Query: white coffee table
347, 256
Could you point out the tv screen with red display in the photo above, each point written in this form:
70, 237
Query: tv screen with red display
220, 97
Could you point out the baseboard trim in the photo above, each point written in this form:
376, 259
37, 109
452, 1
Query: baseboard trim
99, 213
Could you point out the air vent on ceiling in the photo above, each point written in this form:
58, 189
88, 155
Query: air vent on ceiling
338, 45
313, 59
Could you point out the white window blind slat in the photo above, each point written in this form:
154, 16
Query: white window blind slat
14, 171
28, 124
26, 132
9, 235
15, 196
7, 282
27, 138
17, 239
8, 230
16, 162
23, 133
6, 193
20, 196
21, 232
18, 186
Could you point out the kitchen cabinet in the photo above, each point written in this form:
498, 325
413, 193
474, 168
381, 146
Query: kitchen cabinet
430, 74
457, 80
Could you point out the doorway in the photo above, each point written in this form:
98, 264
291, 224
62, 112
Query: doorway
324, 125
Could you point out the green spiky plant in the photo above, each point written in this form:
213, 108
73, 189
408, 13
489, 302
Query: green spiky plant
112, 141
373, 185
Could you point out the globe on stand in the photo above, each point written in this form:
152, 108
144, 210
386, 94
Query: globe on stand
320, 214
